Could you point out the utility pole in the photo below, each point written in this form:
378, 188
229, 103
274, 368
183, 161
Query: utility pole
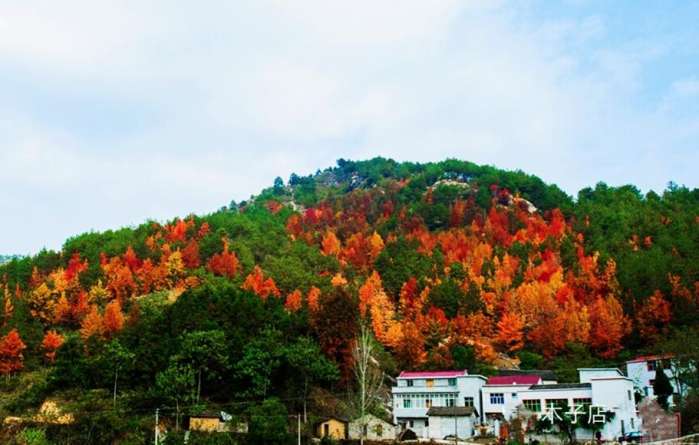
156, 426
298, 428
456, 425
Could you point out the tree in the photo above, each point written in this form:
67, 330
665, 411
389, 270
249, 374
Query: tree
11, 357
510, 332
308, 362
113, 319
662, 387
261, 358
268, 423
205, 351
92, 324
118, 358
367, 373
177, 383
52, 341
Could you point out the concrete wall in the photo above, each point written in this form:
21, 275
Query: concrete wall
444, 426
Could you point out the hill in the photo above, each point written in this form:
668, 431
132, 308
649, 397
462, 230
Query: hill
450, 264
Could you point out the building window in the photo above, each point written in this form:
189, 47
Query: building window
429, 382
583, 402
514, 395
629, 393
409, 382
497, 398
450, 402
533, 405
651, 365
558, 403
632, 426
468, 401
428, 403
410, 423
451, 382
326, 430
407, 404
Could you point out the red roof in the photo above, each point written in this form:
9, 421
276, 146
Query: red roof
514, 380
432, 374
645, 358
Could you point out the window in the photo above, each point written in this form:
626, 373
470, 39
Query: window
450, 402
558, 403
468, 401
630, 396
514, 395
407, 403
632, 426
428, 403
429, 382
533, 405
583, 402
379, 430
497, 398
451, 382
326, 430
410, 423
409, 382
651, 365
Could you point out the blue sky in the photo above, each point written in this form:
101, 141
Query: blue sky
116, 112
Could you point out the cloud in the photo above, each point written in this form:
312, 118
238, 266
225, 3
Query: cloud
121, 111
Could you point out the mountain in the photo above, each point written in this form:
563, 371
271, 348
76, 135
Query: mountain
449, 264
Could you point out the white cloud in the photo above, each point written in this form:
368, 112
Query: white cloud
221, 98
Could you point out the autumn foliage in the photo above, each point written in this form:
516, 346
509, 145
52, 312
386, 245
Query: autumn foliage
11, 353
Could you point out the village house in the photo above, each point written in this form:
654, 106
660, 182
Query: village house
416, 392
606, 388
214, 422
459, 421
374, 428
331, 427
642, 371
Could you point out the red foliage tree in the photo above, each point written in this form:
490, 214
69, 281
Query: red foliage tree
11, 357
257, 283
51, 342
190, 255
225, 264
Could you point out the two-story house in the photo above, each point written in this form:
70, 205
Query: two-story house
418, 391
606, 388
642, 371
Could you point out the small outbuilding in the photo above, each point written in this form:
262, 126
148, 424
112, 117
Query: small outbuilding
215, 422
332, 427
451, 420
373, 428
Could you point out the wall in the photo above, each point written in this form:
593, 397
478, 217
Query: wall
444, 426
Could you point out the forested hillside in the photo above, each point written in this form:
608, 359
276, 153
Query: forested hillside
451, 264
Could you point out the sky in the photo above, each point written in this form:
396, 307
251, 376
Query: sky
115, 112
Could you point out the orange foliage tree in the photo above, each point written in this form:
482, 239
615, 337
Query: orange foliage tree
257, 283
113, 319
11, 356
51, 342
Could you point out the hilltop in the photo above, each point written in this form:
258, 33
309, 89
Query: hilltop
450, 264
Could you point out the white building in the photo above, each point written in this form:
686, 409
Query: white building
452, 421
642, 371
599, 387
418, 391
